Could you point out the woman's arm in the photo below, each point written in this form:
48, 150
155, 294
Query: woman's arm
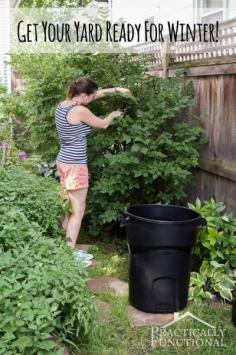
83, 114
102, 92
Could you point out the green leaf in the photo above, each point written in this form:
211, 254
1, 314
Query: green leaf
226, 294
233, 262
190, 293
207, 295
198, 203
227, 283
197, 291
47, 344
216, 264
59, 352
213, 232
23, 341
220, 254
8, 336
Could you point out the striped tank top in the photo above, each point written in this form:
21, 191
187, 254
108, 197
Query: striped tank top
73, 138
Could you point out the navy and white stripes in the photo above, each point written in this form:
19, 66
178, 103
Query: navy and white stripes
73, 138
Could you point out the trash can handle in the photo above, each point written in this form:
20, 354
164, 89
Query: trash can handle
124, 219
203, 222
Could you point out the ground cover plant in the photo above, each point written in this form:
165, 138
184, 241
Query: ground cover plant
43, 289
38, 198
215, 253
44, 294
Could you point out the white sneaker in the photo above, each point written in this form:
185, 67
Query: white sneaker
83, 261
81, 254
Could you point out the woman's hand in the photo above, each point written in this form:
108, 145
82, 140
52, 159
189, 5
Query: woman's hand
123, 91
117, 113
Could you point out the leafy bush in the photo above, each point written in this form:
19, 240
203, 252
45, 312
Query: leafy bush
37, 197
47, 77
43, 294
147, 156
47, 169
215, 252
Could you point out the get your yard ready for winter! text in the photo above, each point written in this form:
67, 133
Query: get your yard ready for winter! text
78, 31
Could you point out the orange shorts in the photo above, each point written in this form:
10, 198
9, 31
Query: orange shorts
73, 176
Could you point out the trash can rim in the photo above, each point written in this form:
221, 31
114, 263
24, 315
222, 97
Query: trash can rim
186, 221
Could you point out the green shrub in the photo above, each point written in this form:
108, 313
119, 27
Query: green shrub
38, 198
215, 252
43, 294
47, 169
47, 77
145, 157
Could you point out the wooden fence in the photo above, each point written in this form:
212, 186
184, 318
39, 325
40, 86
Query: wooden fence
162, 55
212, 68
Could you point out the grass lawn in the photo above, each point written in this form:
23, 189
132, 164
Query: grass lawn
119, 338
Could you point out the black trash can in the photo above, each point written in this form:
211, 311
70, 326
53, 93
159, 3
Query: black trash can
234, 312
160, 240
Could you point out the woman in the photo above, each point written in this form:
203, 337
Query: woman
74, 121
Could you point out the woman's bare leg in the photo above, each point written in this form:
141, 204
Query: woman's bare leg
65, 221
78, 202
67, 214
